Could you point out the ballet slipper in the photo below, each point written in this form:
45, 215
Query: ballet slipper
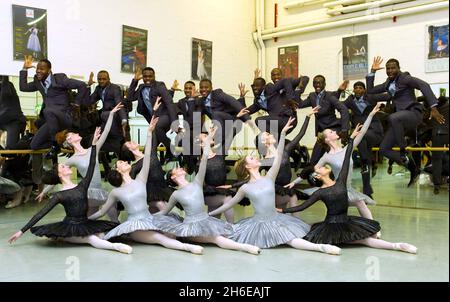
330, 249
378, 235
123, 248
251, 249
405, 247
194, 249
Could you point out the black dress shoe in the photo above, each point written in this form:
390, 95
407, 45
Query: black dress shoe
414, 172
436, 189
364, 169
389, 170
374, 171
53, 152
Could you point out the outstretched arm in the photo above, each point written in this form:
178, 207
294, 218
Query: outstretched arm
200, 177
90, 172
342, 178
143, 174
302, 132
238, 197
105, 208
366, 125
312, 200
44, 211
108, 125
170, 205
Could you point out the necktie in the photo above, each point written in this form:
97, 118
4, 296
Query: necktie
361, 104
208, 105
47, 83
262, 101
103, 94
146, 98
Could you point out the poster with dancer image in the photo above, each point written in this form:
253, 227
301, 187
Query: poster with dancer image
134, 49
355, 57
29, 32
201, 59
288, 61
437, 48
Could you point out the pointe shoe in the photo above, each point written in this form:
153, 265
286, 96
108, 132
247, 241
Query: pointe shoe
405, 247
13, 204
194, 249
330, 249
251, 249
378, 235
123, 248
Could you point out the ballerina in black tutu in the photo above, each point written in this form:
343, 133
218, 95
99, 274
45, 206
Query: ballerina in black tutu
339, 227
76, 227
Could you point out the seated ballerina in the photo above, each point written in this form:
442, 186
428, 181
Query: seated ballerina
141, 226
267, 228
338, 227
197, 225
76, 227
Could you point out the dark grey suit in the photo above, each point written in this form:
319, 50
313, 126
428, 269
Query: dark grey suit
12, 119
408, 113
55, 114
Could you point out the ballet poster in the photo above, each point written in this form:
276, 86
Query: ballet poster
29, 32
355, 57
437, 48
134, 48
288, 61
201, 59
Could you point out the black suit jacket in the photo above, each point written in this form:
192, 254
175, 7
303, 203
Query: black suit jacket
222, 102
326, 117
404, 98
187, 107
358, 117
57, 96
10, 109
113, 96
157, 89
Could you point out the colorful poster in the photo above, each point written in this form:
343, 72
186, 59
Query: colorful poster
437, 48
355, 57
288, 61
29, 32
134, 48
201, 59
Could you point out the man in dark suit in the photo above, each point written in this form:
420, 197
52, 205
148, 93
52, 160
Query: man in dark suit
55, 114
223, 109
409, 112
146, 95
326, 117
12, 119
361, 104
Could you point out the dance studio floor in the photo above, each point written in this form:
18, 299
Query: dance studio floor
413, 215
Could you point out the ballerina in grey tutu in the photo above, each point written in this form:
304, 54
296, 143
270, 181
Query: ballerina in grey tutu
97, 196
198, 226
141, 226
335, 157
267, 228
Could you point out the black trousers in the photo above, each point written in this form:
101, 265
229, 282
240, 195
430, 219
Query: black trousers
371, 139
55, 121
229, 126
274, 124
399, 123
439, 140
162, 127
13, 130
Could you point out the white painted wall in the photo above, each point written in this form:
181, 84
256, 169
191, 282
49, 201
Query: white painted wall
320, 52
85, 35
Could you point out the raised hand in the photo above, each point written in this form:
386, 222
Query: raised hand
357, 131
97, 134
242, 90
91, 79
376, 65
28, 62
157, 104
314, 111
14, 237
257, 73
153, 123
195, 93
344, 85
288, 125
176, 86
376, 109
138, 74
243, 112
117, 108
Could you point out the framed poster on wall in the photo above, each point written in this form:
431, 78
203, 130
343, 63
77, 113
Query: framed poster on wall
134, 48
29, 32
201, 59
437, 48
355, 57
288, 60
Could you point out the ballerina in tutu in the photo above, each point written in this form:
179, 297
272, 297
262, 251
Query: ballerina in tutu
97, 196
33, 41
335, 157
197, 225
267, 228
201, 69
141, 226
338, 227
76, 227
